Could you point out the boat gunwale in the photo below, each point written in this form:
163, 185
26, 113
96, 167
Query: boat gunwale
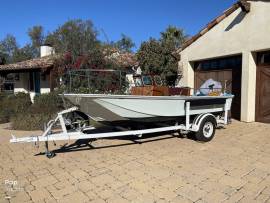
176, 97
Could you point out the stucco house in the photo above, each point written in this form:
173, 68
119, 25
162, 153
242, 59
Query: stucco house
36, 76
31, 76
234, 47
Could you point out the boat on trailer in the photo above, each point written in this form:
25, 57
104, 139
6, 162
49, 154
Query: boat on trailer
146, 108
199, 114
150, 102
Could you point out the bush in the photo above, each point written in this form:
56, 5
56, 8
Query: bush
30, 121
43, 109
49, 103
11, 105
23, 115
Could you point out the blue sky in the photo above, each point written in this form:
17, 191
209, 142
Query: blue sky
139, 19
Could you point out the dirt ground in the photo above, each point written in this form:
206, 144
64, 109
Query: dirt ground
233, 167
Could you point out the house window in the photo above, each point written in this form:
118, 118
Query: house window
219, 64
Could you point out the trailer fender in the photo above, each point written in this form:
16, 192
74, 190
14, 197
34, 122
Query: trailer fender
198, 120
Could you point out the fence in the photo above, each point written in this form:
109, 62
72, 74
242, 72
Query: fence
94, 81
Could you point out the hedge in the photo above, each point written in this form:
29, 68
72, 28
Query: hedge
23, 115
11, 105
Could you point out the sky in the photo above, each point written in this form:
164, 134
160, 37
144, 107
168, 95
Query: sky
138, 19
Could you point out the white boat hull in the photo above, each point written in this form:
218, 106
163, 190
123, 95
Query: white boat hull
146, 108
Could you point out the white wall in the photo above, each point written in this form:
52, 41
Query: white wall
44, 85
249, 35
46, 50
23, 85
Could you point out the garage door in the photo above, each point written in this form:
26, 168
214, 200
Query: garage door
263, 89
223, 70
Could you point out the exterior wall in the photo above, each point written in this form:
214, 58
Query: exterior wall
239, 33
45, 85
23, 85
46, 51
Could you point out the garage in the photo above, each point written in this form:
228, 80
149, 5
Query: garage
225, 70
234, 47
263, 88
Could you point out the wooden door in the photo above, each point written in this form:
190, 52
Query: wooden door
233, 85
263, 94
217, 75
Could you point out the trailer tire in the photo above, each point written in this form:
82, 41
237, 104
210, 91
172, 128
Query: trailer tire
207, 129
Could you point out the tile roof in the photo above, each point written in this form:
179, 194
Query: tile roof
37, 63
243, 4
123, 60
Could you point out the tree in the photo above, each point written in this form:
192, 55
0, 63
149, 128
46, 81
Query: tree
37, 39
159, 56
25, 53
10, 52
149, 55
2, 59
74, 36
7, 47
156, 57
173, 35
125, 44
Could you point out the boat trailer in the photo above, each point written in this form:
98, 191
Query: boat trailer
203, 125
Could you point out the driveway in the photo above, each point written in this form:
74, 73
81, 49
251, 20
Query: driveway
233, 167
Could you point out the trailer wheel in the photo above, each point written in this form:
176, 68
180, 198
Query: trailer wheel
207, 129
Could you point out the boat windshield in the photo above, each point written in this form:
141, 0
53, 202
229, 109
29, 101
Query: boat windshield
147, 80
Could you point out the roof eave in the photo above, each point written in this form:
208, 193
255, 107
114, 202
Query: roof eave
243, 4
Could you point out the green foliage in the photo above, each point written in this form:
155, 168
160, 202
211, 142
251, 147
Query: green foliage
11, 105
30, 121
10, 52
7, 47
125, 44
49, 103
2, 59
149, 56
173, 35
95, 82
75, 36
25, 53
43, 109
36, 35
159, 56
27, 116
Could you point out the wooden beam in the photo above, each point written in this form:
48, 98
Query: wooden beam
245, 6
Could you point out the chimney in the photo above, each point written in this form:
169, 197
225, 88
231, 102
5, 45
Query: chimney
46, 50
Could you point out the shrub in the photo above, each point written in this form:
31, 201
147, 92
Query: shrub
11, 105
43, 109
29, 121
48, 103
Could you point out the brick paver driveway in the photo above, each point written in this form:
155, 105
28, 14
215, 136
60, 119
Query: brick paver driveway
234, 167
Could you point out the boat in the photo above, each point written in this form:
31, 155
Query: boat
146, 108
150, 101
198, 114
